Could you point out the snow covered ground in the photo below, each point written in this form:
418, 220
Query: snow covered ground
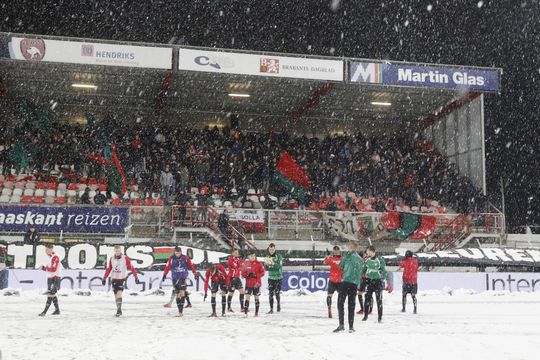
461, 325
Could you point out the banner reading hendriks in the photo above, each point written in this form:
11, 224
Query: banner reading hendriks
402, 74
67, 219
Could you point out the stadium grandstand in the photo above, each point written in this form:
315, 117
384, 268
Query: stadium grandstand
221, 148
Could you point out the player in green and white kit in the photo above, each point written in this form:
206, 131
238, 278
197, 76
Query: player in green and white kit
374, 270
273, 263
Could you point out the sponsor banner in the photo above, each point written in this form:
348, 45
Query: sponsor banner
251, 222
39, 49
401, 74
91, 280
91, 256
292, 280
15, 218
261, 65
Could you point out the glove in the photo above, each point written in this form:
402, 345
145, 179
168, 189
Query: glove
163, 279
137, 281
205, 296
389, 288
103, 282
252, 276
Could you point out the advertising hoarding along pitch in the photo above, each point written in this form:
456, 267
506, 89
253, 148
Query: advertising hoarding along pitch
75, 52
261, 65
67, 219
402, 74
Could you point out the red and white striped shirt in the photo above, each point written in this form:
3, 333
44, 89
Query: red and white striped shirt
53, 267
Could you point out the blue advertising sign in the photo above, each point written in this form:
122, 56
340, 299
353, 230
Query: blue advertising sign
401, 74
68, 219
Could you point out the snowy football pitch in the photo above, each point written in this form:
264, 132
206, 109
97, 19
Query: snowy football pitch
458, 326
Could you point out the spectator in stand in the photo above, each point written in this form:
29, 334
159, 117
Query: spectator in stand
166, 181
223, 225
85, 198
182, 200
32, 236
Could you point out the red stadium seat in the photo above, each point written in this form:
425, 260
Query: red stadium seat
27, 199
148, 202
40, 185
38, 199
116, 201
103, 181
92, 181
102, 187
72, 186
52, 186
60, 200
158, 202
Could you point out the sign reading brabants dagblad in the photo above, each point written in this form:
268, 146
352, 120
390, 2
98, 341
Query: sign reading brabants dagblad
67, 219
432, 76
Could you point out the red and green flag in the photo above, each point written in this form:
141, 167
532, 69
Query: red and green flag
290, 176
404, 225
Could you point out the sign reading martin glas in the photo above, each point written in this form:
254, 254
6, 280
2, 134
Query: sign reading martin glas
67, 219
75, 52
401, 74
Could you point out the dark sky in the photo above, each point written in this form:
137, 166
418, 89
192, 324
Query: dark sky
502, 33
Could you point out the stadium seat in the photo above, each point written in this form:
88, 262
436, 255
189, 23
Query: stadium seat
4, 198
60, 200
71, 193
93, 187
148, 202
17, 192
116, 201
38, 199
83, 180
62, 186
20, 184
26, 199
81, 187
71, 200
15, 199
158, 202
102, 187
28, 192
40, 185
7, 191
30, 184
52, 186
103, 181
11, 178
137, 202
9, 185
134, 195
50, 193
49, 200
61, 193
72, 186
92, 181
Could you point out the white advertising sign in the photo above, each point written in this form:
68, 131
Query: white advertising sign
37, 49
91, 279
261, 65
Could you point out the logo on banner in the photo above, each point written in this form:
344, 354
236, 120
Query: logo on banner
269, 65
366, 72
33, 49
87, 50
215, 62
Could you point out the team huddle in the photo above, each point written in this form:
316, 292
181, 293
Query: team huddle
363, 275
352, 275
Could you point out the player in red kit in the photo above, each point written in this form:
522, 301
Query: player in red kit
252, 271
220, 281
53, 269
118, 268
234, 266
335, 276
410, 279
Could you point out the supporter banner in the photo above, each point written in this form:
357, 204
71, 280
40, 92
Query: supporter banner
349, 226
15, 218
38, 49
401, 74
261, 65
476, 257
251, 222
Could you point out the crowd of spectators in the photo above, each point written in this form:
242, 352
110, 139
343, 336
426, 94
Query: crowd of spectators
171, 160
